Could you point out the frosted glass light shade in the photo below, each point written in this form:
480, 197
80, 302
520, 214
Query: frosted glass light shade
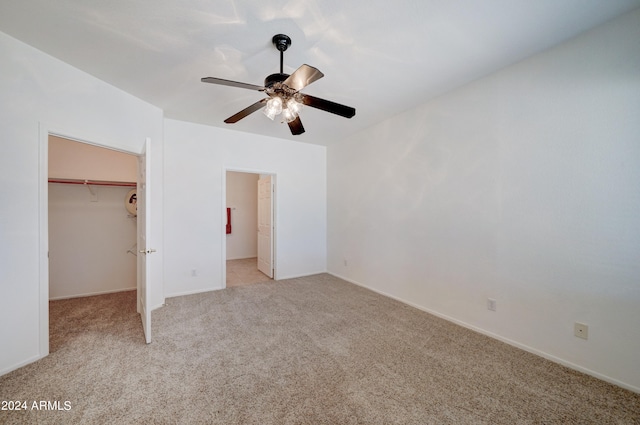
273, 108
294, 106
270, 113
289, 115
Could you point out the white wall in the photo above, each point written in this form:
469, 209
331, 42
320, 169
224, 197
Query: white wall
38, 93
196, 160
242, 197
89, 241
523, 187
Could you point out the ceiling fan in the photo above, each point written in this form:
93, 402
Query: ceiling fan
284, 93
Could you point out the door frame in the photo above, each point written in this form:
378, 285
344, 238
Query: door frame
44, 131
223, 210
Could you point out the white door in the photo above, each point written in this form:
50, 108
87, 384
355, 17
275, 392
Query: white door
265, 226
144, 249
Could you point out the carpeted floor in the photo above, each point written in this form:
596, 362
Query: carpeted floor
244, 272
314, 350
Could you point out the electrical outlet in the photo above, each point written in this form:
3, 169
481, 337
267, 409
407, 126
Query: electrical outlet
491, 304
581, 330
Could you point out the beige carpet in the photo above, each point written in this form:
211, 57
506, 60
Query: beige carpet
244, 272
314, 350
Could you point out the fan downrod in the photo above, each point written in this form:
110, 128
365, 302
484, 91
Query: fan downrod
282, 43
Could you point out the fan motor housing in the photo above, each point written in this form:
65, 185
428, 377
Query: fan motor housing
275, 78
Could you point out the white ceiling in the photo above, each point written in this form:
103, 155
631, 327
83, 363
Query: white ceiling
381, 57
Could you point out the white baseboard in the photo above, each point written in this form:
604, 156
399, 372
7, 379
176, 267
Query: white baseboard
499, 338
243, 258
301, 275
91, 294
196, 291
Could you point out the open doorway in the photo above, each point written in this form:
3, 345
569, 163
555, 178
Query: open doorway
250, 228
92, 231
143, 289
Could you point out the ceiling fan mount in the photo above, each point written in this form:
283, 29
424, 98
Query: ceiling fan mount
281, 41
284, 93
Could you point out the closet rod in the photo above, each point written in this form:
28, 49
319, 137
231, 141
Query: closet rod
92, 182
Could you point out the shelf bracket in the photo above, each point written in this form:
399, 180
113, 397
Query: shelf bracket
94, 194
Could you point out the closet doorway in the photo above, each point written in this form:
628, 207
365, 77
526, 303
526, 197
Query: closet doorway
249, 228
92, 222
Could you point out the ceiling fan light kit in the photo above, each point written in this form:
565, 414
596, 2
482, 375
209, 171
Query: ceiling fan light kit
284, 93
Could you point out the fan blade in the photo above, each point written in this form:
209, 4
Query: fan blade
222, 82
327, 105
246, 111
296, 127
302, 77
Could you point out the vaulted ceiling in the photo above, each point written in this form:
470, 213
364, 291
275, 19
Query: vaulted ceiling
381, 57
